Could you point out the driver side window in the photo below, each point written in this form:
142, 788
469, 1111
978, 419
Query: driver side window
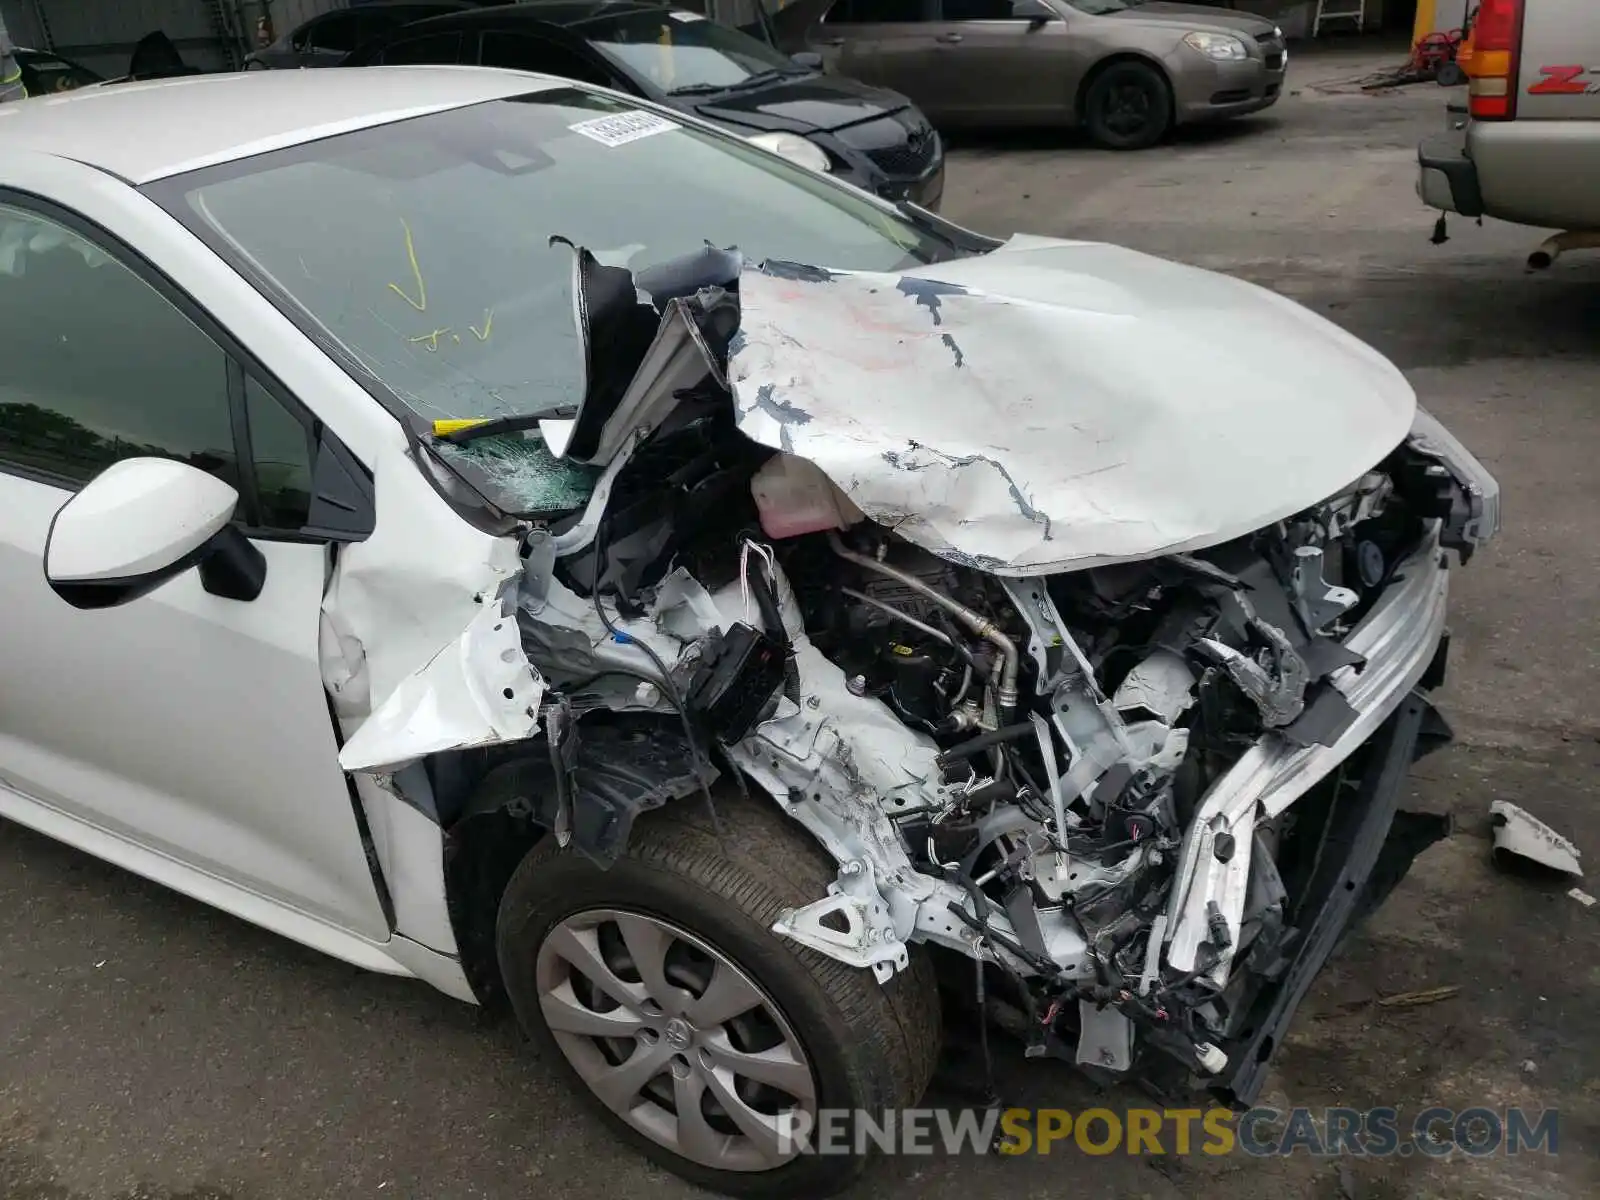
995, 10
337, 33
881, 12
522, 52
429, 49
100, 366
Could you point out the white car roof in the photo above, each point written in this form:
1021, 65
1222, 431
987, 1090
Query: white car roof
145, 131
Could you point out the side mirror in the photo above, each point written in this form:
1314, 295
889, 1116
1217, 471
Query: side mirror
1037, 22
809, 59
141, 522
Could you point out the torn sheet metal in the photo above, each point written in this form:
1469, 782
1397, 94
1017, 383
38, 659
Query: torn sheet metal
1057, 405
406, 630
478, 690
397, 598
1519, 834
677, 359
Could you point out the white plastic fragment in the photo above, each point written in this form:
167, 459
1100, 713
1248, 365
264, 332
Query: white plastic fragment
1522, 835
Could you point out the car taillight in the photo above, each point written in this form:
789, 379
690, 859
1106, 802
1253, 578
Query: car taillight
1492, 65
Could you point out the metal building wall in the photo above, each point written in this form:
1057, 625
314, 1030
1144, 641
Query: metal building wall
101, 34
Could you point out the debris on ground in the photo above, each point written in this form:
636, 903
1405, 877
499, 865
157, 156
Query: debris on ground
1521, 837
1582, 897
1416, 999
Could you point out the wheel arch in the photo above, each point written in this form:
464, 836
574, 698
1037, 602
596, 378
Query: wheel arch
504, 802
1113, 59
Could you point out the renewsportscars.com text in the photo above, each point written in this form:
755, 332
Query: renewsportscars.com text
1259, 1132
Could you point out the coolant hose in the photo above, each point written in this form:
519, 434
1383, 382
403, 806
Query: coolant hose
1010, 662
985, 741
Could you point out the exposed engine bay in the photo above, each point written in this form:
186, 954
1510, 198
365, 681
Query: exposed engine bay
1132, 791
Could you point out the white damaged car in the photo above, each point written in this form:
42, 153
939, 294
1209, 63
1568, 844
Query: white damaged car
492, 532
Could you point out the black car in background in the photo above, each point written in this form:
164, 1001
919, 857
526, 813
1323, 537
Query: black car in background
45, 72
873, 138
326, 39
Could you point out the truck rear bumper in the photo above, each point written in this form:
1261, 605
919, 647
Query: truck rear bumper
1446, 178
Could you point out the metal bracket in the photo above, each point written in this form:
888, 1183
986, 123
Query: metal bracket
1319, 601
854, 902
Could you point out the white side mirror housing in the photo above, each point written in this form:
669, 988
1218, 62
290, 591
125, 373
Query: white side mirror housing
142, 521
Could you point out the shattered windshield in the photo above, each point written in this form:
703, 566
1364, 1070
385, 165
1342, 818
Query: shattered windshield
419, 252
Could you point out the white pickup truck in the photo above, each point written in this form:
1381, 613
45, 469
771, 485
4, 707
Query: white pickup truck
1529, 149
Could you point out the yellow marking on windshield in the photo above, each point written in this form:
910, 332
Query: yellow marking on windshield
421, 302
429, 341
664, 40
488, 326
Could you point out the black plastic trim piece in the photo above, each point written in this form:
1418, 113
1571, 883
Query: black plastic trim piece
1364, 832
1442, 152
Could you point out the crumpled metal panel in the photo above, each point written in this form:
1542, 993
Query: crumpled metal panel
1056, 405
477, 691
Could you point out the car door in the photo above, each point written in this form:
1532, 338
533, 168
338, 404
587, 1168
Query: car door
190, 726
888, 43
1001, 61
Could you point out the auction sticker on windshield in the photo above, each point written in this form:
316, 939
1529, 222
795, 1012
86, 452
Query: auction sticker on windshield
623, 128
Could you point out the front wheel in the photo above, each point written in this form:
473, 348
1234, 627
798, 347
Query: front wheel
701, 1037
1128, 107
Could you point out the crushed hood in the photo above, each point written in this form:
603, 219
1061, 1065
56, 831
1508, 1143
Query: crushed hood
1056, 405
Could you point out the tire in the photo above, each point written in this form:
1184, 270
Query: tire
705, 916
1128, 106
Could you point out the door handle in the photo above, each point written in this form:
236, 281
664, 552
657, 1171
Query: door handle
831, 41
949, 39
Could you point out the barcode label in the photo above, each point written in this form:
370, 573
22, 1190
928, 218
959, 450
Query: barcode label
623, 128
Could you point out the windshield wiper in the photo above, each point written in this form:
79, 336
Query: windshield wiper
698, 89
952, 235
768, 76
497, 427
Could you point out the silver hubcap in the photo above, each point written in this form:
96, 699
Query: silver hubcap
674, 1039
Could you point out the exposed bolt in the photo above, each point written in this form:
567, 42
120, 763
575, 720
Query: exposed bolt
813, 701
856, 685
872, 935
850, 868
